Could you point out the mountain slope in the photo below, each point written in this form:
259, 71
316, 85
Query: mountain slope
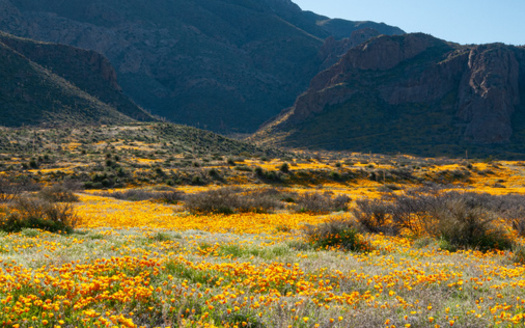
31, 94
412, 94
225, 65
87, 70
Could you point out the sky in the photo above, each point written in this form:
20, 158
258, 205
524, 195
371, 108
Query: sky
461, 21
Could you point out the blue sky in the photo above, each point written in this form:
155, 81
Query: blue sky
461, 21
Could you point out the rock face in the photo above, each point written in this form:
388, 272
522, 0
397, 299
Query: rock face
334, 49
410, 93
489, 93
45, 83
223, 65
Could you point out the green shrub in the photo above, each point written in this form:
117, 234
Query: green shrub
445, 245
30, 232
196, 180
268, 176
285, 168
336, 176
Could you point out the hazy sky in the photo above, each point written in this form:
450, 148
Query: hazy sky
462, 21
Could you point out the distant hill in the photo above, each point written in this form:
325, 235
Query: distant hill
223, 65
412, 94
49, 84
341, 28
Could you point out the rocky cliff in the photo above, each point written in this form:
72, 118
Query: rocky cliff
411, 93
223, 65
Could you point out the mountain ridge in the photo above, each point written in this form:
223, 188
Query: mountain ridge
33, 93
411, 93
225, 65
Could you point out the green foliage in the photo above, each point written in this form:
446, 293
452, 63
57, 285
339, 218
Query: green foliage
241, 319
445, 245
191, 274
285, 168
30, 232
161, 237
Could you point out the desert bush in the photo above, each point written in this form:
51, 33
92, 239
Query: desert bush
8, 190
263, 201
375, 216
11, 188
58, 193
137, 195
335, 233
37, 213
518, 254
229, 201
321, 203
519, 225
512, 208
213, 201
466, 224
459, 220
170, 197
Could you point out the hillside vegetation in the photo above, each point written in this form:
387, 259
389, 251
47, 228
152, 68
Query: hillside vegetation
262, 238
33, 91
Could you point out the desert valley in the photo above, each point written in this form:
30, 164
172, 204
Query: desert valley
239, 163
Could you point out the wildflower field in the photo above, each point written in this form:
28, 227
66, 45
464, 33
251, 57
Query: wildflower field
143, 256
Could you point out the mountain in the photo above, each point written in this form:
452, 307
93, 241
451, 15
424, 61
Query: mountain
224, 65
412, 94
341, 28
49, 84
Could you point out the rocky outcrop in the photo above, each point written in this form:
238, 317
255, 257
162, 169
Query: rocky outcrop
334, 49
222, 65
407, 79
489, 93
